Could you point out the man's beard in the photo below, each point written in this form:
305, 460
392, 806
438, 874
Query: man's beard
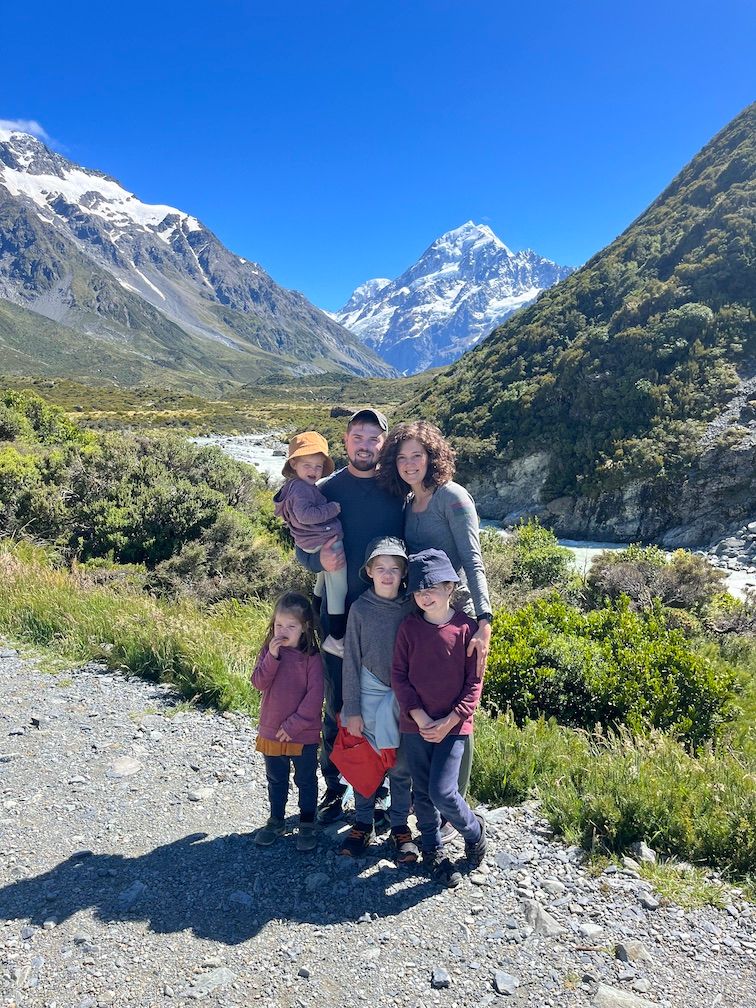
363, 464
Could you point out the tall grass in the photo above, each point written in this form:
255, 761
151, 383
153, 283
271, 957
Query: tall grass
609, 790
206, 653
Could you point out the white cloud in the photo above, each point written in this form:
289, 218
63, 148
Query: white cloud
27, 126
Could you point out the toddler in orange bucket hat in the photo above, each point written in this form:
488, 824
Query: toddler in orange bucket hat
312, 521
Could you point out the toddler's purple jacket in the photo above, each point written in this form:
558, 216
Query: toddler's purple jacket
310, 517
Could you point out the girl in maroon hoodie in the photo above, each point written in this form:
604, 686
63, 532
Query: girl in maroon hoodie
289, 674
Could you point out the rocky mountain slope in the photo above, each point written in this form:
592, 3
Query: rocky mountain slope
621, 404
465, 284
152, 291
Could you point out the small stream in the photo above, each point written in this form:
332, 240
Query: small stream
267, 454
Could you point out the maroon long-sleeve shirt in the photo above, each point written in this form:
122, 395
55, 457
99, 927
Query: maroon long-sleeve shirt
292, 694
431, 671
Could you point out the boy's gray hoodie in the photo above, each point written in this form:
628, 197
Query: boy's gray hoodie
372, 625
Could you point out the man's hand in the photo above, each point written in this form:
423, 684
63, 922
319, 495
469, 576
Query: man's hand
436, 731
354, 725
479, 643
331, 560
283, 736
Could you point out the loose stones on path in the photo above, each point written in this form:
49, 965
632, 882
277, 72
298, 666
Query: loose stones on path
166, 892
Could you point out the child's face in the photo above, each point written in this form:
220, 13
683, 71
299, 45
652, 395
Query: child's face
434, 602
386, 573
308, 467
287, 628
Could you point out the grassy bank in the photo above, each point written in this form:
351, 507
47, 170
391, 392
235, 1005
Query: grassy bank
207, 653
608, 790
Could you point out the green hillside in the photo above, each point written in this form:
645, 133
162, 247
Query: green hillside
617, 371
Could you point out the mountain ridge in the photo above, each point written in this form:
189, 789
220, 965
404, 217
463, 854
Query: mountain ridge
465, 283
594, 407
81, 250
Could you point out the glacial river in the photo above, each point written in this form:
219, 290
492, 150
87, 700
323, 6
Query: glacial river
268, 455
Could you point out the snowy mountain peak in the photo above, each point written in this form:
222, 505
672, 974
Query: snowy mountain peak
29, 169
364, 293
468, 234
464, 284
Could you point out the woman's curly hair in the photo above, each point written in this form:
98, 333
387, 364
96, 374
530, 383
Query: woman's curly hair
441, 457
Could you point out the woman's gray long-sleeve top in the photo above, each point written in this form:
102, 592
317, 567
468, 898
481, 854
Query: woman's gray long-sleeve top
450, 523
369, 641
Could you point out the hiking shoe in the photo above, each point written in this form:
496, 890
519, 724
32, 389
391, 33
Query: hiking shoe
448, 833
406, 850
307, 838
475, 852
270, 832
334, 646
358, 840
441, 869
331, 806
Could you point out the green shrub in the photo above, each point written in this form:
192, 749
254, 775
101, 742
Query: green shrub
611, 666
643, 573
524, 563
231, 559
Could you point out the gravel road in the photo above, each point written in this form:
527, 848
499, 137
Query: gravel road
128, 878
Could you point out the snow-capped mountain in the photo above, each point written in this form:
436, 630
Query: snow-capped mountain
461, 288
151, 280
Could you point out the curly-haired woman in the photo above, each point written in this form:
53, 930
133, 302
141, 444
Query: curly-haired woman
417, 463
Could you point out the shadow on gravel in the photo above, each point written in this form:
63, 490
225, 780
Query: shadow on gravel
225, 889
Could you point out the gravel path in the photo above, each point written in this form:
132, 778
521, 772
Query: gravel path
128, 878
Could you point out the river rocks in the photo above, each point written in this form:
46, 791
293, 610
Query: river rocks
126, 766
643, 853
632, 951
736, 552
505, 983
540, 920
440, 979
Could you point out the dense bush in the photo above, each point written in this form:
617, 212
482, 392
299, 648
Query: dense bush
231, 559
523, 563
643, 573
201, 522
611, 666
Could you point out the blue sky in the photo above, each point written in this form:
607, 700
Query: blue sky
332, 141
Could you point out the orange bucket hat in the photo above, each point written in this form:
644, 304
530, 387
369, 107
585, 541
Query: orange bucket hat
308, 443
